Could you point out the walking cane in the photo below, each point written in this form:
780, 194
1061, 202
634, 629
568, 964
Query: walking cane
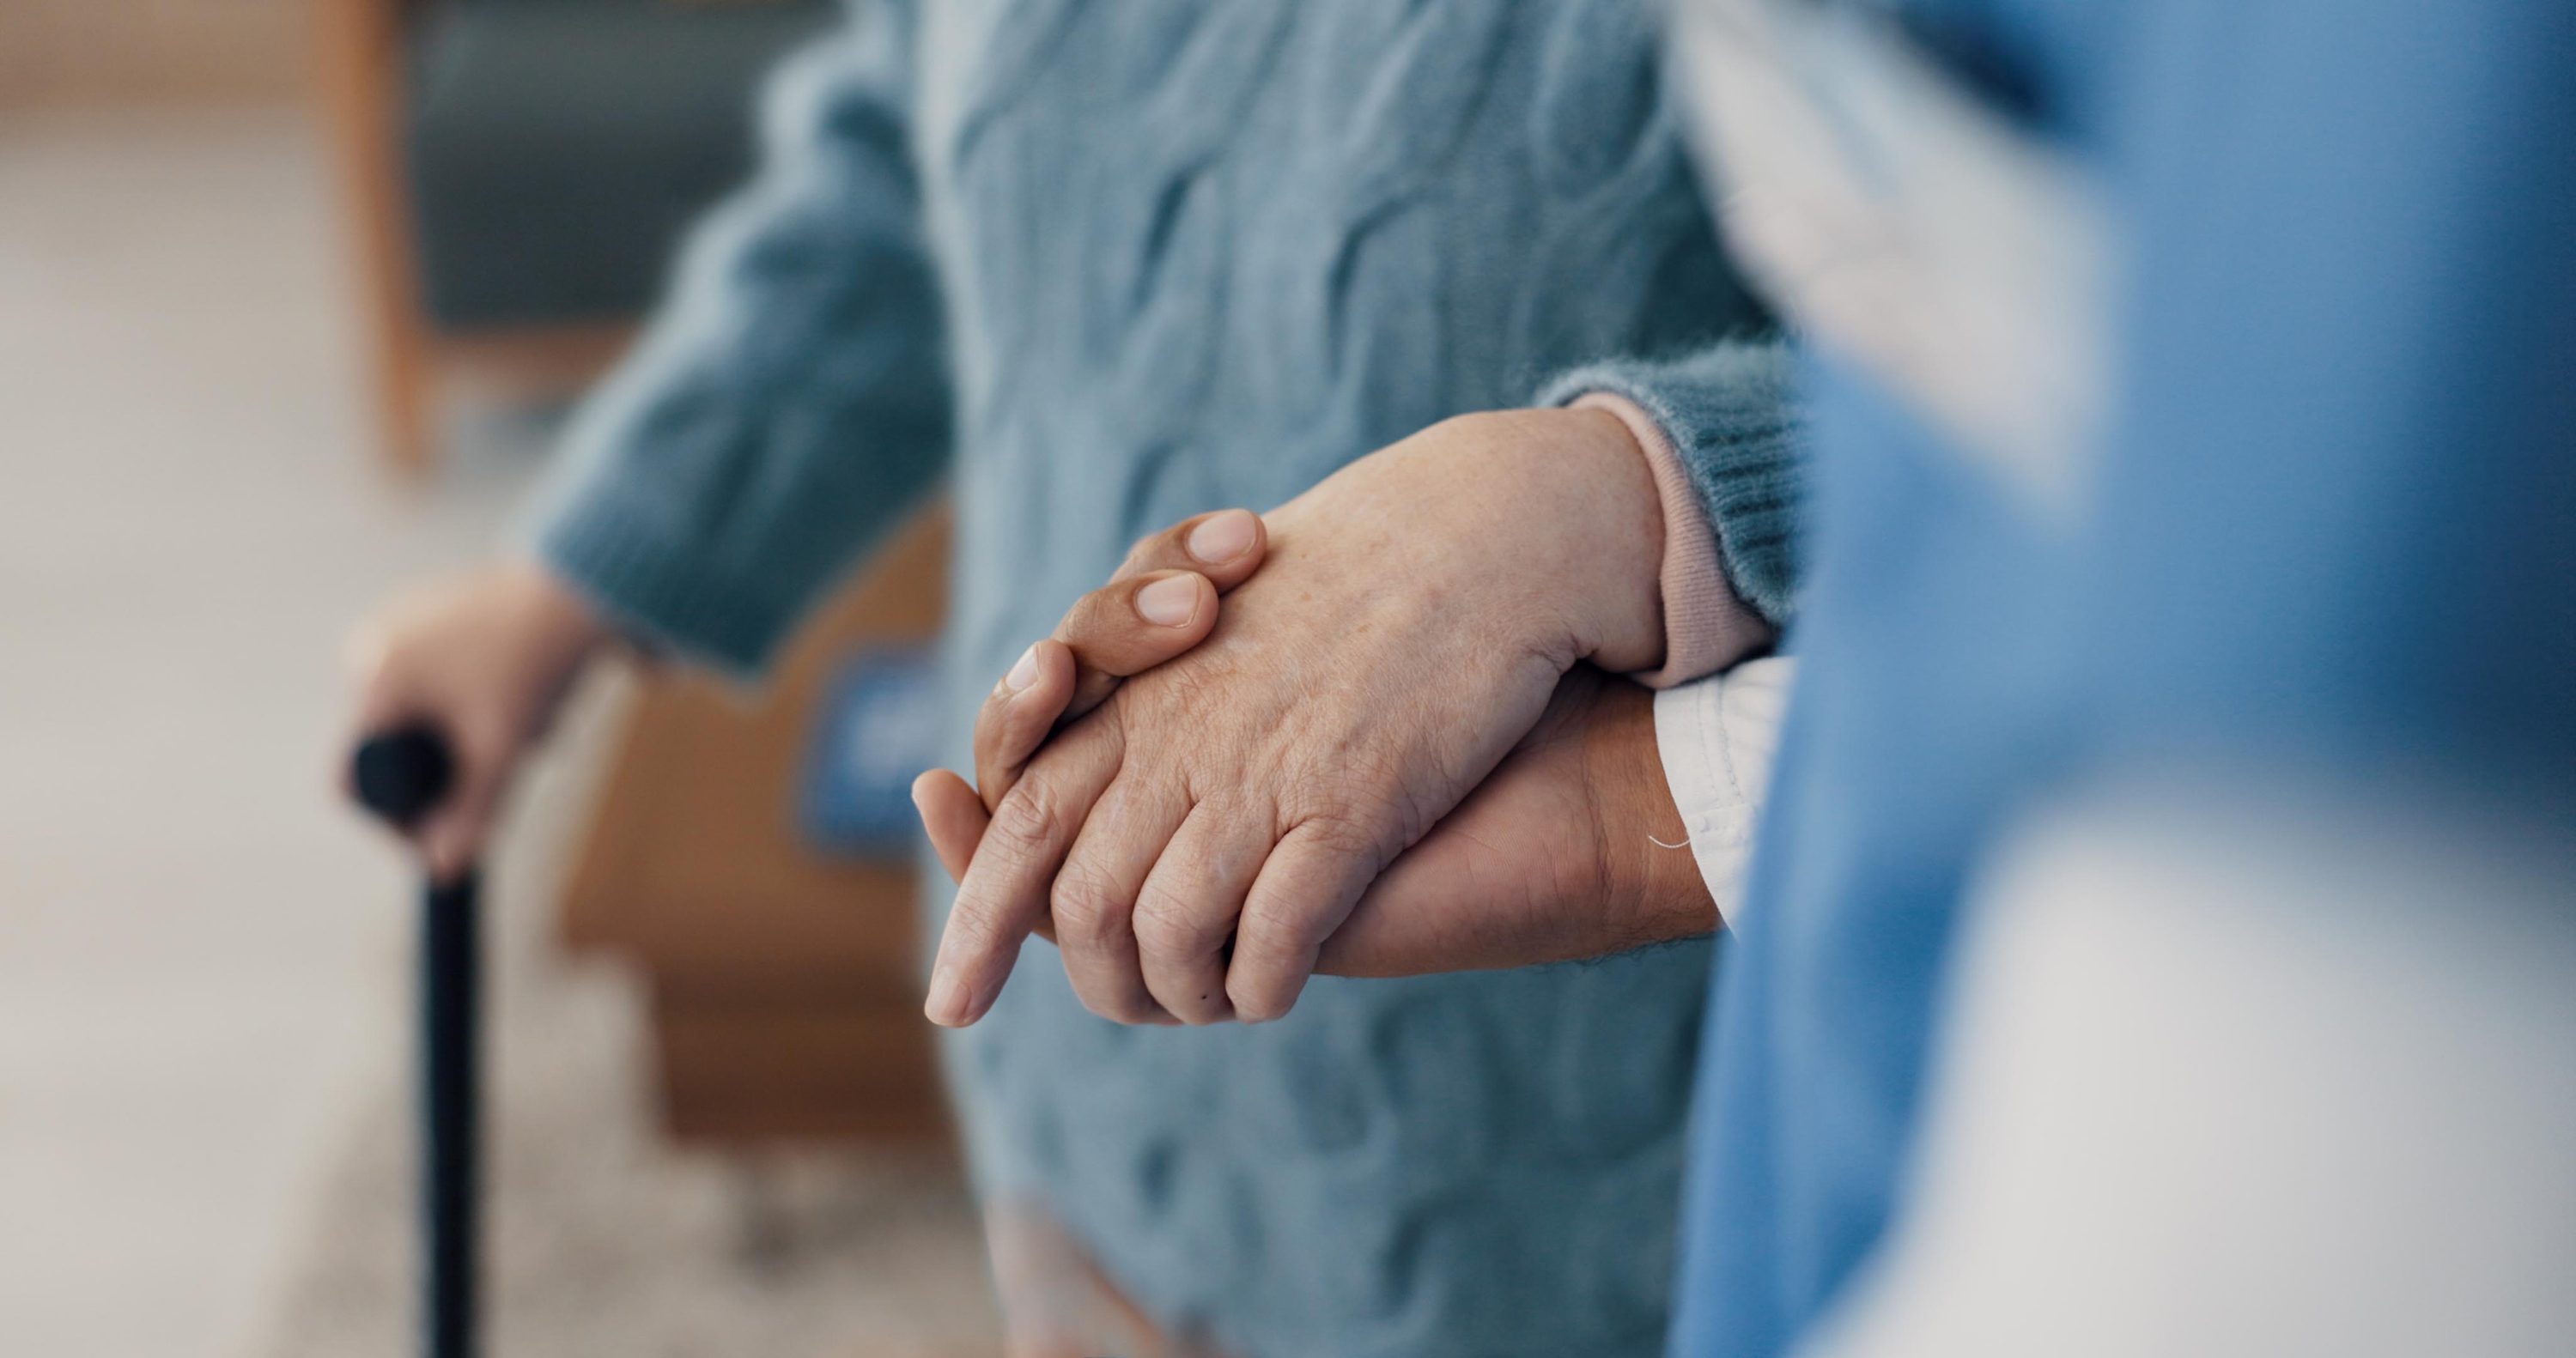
399, 775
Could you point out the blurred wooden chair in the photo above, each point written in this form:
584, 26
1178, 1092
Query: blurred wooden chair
519, 172
785, 974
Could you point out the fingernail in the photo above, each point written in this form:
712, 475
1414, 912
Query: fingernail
1223, 537
1024, 671
1171, 602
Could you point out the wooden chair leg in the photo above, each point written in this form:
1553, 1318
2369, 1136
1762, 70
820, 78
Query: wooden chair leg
360, 49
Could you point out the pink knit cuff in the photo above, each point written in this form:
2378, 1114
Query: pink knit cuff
1706, 628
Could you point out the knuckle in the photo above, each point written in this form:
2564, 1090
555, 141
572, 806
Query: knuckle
1169, 924
1013, 737
1090, 615
1344, 835
1104, 624
1086, 905
991, 718
1028, 821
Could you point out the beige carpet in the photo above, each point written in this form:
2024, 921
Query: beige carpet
602, 1242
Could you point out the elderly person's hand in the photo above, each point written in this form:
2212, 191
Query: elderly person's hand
1566, 851
1203, 832
486, 658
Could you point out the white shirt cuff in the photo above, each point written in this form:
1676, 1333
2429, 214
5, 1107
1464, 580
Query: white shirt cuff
1716, 738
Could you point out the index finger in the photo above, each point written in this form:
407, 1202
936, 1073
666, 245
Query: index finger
1018, 714
1006, 887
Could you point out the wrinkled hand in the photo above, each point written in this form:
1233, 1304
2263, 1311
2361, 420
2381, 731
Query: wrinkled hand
1554, 857
1199, 836
1160, 602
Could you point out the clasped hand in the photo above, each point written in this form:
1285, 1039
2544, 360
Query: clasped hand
1391, 747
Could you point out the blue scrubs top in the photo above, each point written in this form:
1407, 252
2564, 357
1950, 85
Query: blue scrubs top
2334, 520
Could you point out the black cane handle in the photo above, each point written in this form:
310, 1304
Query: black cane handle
400, 774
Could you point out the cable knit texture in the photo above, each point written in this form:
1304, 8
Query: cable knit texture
1106, 265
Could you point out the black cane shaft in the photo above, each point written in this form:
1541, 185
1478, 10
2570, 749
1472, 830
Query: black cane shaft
450, 995
401, 776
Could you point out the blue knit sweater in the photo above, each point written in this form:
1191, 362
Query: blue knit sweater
1103, 265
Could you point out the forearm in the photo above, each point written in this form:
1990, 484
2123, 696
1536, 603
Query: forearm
1568, 851
1624, 820
1673, 788
789, 403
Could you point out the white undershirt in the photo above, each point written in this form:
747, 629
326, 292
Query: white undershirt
1716, 737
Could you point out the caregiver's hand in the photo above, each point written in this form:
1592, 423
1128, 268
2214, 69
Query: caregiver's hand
1572, 848
1412, 622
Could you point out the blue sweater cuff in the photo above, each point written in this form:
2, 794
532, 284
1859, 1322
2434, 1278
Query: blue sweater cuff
1732, 414
661, 596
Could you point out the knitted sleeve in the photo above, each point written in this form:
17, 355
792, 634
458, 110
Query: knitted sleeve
1729, 415
789, 401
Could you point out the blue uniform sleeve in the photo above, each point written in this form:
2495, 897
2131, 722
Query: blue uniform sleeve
2339, 511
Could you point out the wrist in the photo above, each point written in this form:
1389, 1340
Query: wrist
1621, 602
1538, 532
1656, 892
1705, 626
559, 620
